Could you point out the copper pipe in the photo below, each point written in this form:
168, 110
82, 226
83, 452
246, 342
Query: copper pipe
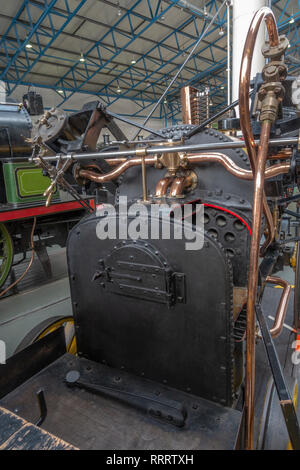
259, 202
252, 282
224, 160
270, 225
263, 14
283, 304
234, 169
162, 186
186, 105
177, 187
297, 281
111, 175
144, 180
180, 184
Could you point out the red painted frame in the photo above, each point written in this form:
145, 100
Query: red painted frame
16, 214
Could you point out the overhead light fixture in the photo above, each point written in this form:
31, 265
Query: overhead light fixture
28, 46
119, 9
162, 18
82, 59
205, 12
292, 20
60, 91
119, 90
165, 101
221, 32
222, 87
211, 103
133, 61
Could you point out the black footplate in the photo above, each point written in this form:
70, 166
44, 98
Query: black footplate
134, 394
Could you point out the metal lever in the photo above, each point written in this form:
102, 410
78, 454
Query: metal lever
42, 406
286, 403
57, 178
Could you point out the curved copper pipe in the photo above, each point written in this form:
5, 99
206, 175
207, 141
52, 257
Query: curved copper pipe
244, 102
283, 304
263, 14
215, 157
259, 202
111, 175
162, 186
234, 169
180, 184
177, 187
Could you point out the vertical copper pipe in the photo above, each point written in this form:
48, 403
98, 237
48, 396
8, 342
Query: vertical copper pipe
252, 281
144, 180
245, 77
186, 105
297, 286
259, 202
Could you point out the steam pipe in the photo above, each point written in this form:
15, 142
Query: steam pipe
252, 283
224, 160
259, 201
179, 185
112, 175
263, 14
162, 186
234, 169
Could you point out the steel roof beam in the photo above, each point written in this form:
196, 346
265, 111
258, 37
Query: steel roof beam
37, 30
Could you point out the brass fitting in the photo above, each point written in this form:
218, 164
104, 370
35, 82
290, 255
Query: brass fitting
275, 52
270, 95
171, 161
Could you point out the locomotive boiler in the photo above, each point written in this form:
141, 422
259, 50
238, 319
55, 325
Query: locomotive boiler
169, 331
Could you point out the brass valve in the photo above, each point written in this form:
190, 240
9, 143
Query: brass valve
271, 93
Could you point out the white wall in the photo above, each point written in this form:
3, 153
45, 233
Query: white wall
243, 12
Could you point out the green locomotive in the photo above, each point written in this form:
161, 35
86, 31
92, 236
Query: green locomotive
22, 187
